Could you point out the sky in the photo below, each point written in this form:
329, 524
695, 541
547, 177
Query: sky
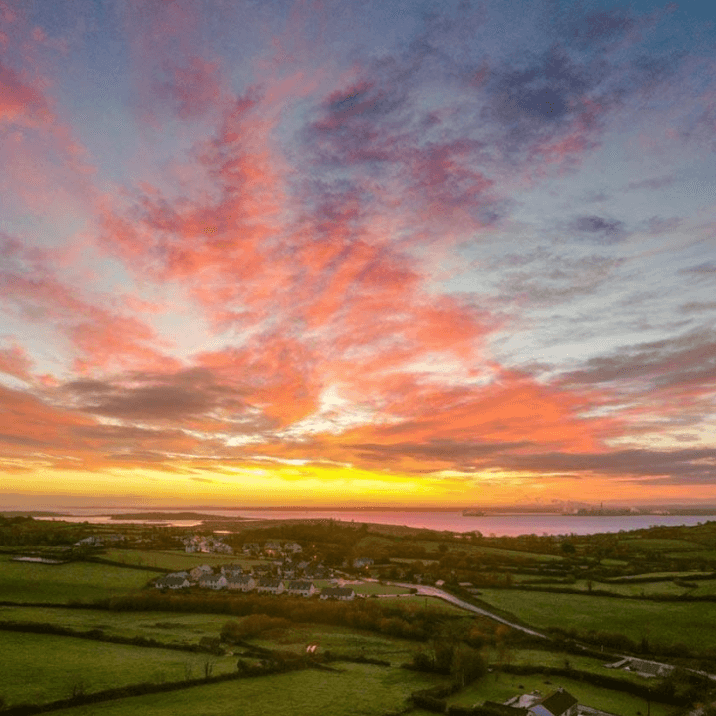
362, 253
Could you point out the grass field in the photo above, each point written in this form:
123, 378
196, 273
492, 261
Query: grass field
166, 627
661, 545
174, 560
341, 640
357, 690
575, 661
37, 668
63, 583
500, 687
660, 622
708, 555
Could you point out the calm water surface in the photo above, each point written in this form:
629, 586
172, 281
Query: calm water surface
500, 525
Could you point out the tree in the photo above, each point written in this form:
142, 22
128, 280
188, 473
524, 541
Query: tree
467, 665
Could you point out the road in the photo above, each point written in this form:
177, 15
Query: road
427, 591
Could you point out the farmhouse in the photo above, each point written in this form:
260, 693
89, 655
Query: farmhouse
342, 593
301, 588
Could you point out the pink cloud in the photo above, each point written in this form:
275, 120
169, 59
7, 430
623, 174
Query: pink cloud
15, 361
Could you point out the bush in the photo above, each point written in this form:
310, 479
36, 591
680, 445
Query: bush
252, 626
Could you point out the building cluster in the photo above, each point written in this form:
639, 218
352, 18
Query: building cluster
100, 540
208, 545
286, 574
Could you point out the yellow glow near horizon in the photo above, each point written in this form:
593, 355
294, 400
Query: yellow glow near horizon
320, 485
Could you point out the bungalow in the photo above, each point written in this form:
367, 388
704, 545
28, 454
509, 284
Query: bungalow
342, 593
170, 582
213, 581
273, 586
242, 583
301, 588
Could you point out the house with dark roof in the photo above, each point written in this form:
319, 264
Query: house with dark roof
273, 586
341, 593
232, 570
558, 703
301, 588
213, 581
241, 582
201, 571
171, 582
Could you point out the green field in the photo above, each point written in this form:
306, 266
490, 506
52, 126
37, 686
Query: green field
660, 622
648, 544
174, 560
355, 690
500, 687
63, 583
37, 668
166, 627
575, 661
341, 640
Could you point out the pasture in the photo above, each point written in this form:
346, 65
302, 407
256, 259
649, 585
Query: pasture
63, 583
165, 627
38, 668
660, 622
175, 560
353, 690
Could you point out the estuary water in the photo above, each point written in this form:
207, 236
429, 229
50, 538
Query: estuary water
499, 525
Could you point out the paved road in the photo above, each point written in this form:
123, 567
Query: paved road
426, 591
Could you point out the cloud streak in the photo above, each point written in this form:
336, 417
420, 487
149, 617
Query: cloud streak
396, 244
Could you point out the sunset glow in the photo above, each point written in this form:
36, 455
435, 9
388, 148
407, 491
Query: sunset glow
335, 253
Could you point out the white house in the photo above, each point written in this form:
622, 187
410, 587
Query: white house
201, 571
171, 582
273, 586
301, 588
213, 581
242, 583
341, 593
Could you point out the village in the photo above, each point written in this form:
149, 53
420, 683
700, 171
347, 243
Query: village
285, 572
